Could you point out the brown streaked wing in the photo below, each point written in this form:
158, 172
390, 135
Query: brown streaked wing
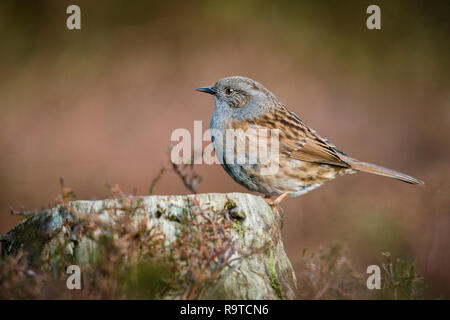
300, 142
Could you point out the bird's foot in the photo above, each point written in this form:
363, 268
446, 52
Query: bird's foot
278, 210
277, 200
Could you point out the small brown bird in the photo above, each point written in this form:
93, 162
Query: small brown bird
305, 159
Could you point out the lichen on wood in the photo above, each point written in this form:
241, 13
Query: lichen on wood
214, 245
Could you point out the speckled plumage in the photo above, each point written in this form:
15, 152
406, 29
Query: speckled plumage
306, 160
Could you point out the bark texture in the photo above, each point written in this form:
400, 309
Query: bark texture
260, 268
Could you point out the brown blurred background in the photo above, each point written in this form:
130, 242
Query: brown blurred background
99, 105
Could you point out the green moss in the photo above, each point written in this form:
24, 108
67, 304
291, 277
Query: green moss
10, 247
273, 277
239, 227
230, 204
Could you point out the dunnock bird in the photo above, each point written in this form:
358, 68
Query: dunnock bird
305, 159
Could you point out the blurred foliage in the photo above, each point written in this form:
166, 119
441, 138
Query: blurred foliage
306, 29
329, 274
400, 279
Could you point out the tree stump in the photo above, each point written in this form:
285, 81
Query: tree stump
255, 265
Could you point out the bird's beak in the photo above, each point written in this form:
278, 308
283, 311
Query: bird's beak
209, 90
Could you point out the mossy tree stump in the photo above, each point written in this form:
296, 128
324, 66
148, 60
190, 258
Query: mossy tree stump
252, 259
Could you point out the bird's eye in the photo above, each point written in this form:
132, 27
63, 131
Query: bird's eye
228, 91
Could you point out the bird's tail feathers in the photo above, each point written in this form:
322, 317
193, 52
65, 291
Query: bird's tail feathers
372, 168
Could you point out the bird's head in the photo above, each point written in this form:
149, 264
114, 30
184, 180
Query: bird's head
241, 98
